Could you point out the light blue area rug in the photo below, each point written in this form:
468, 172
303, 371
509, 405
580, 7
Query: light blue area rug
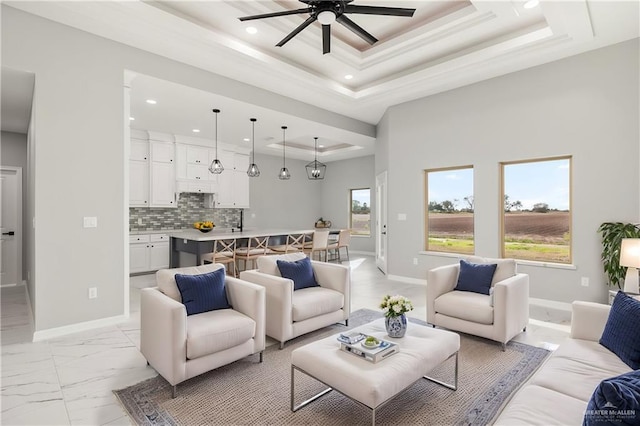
249, 393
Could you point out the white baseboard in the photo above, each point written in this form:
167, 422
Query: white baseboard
408, 280
366, 253
74, 328
553, 304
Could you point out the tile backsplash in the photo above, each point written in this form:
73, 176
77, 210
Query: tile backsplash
190, 209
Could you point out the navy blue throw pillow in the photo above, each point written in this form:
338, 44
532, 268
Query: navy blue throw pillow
299, 271
621, 334
204, 292
475, 277
616, 401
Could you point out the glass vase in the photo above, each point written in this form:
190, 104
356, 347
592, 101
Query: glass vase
396, 326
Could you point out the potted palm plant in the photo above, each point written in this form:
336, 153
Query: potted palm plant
612, 235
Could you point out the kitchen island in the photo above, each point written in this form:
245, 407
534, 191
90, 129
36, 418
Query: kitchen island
198, 243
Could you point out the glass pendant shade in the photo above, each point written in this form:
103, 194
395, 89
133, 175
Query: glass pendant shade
284, 172
216, 166
253, 170
315, 169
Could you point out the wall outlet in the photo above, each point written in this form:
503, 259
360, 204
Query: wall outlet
90, 222
415, 260
402, 216
585, 282
139, 221
93, 292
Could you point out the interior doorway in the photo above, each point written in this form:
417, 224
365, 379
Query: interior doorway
11, 226
381, 221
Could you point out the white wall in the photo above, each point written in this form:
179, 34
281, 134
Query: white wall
585, 106
340, 177
286, 204
79, 157
13, 152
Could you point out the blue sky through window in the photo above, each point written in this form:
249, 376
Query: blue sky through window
529, 183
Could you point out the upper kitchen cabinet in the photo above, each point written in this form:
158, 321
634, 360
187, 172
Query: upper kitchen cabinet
233, 182
152, 176
139, 170
163, 174
192, 169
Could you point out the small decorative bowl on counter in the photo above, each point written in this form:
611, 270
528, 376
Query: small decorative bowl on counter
204, 226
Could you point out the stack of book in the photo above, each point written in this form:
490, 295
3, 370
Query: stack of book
383, 351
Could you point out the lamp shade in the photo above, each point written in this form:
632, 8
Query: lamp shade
630, 252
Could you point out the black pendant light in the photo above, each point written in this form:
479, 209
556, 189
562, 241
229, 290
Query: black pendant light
253, 170
216, 166
284, 172
315, 169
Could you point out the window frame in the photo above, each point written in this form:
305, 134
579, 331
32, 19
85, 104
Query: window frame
426, 207
351, 212
502, 191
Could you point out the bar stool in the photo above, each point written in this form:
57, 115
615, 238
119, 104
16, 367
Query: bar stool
293, 244
224, 251
256, 247
344, 238
319, 245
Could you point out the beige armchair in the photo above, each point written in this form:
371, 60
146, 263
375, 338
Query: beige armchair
180, 347
499, 316
293, 313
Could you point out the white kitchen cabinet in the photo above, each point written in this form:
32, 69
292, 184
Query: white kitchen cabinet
233, 182
163, 175
192, 169
139, 174
148, 252
241, 181
158, 252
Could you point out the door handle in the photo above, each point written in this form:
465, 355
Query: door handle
9, 233
384, 233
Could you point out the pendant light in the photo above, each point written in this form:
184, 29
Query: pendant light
216, 166
284, 172
253, 170
315, 169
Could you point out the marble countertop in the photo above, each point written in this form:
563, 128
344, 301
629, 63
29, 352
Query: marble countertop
221, 234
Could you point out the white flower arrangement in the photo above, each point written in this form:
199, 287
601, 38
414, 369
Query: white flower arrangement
394, 306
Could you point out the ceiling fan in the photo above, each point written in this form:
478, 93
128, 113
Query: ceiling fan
329, 11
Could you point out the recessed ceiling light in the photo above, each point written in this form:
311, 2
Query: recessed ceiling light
348, 77
252, 30
531, 4
131, 119
196, 130
151, 101
320, 146
246, 139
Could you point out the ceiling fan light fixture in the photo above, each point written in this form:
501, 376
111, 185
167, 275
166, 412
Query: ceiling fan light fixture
326, 17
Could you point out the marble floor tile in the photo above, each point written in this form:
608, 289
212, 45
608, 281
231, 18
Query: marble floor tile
69, 380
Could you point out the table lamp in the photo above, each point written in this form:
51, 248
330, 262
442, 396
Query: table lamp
630, 257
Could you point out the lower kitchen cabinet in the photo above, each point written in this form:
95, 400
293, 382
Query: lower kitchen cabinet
148, 252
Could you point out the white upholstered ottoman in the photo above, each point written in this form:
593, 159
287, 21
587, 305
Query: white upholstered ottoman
421, 350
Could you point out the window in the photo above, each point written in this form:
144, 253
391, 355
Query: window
536, 224
360, 215
449, 210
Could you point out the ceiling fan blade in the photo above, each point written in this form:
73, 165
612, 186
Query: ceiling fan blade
357, 29
375, 10
276, 14
326, 39
295, 32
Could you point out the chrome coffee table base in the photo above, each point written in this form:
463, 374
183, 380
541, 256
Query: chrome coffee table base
319, 395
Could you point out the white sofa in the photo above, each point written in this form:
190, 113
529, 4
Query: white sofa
180, 347
294, 313
558, 393
498, 317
